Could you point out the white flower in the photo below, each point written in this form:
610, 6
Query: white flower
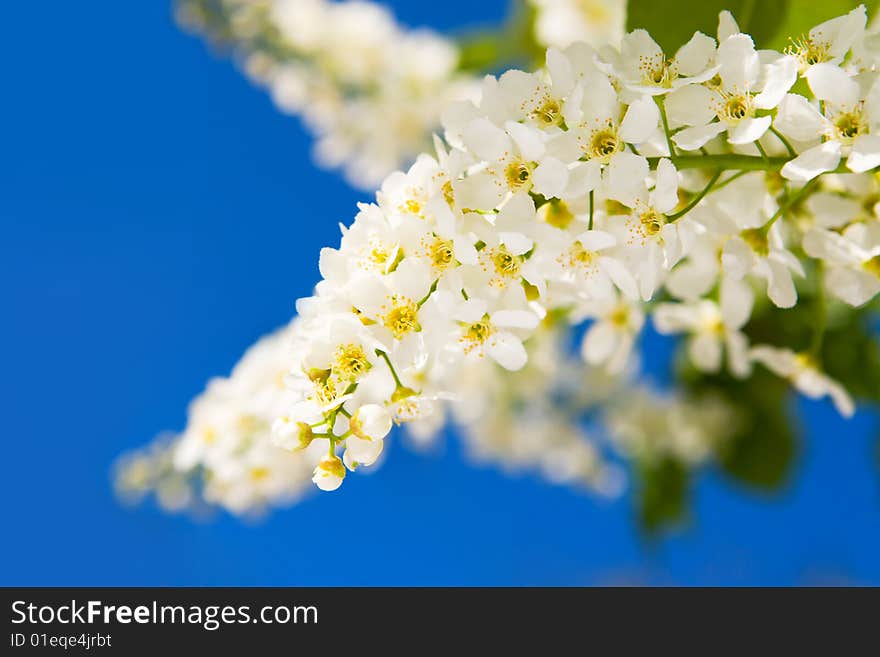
763, 254
476, 332
644, 68
730, 103
329, 473
370, 422
560, 23
829, 41
712, 327
805, 375
853, 259
654, 243
849, 125
610, 338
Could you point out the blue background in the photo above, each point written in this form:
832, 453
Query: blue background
158, 215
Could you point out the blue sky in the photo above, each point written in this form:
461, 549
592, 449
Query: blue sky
158, 215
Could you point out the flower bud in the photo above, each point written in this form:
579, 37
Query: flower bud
371, 422
361, 452
329, 473
292, 436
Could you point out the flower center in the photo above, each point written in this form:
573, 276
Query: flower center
604, 143
403, 317
350, 362
382, 257
736, 108
325, 391
579, 257
259, 473
651, 222
849, 125
549, 113
809, 52
556, 213
441, 253
619, 316
757, 240
476, 334
448, 193
658, 71
411, 206
518, 174
506, 264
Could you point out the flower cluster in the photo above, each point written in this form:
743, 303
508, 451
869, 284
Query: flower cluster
370, 90
560, 23
225, 457
608, 187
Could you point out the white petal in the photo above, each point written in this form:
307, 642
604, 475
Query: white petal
727, 26
477, 192
600, 342
506, 349
625, 177
695, 56
780, 286
842, 400
865, 153
748, 130
832, 83
841, 32
738, 354
470, 311
596, 240
737, 258
705, 352
485, 139
781, 75
781, 362
641, 120
550, 178
560, 69
812, 162
516, 243
690, 105
740, 65
583, 178
665, 192
527, 139
737, 300
621, 276
798, 119
690, 139
521, 319
852, 286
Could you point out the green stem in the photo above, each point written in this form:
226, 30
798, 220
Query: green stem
381, 353
668, 134
761, 150
733, 162
784, 141
788, 203
430, 292
724, 183
590, 227
699, 197
820, 311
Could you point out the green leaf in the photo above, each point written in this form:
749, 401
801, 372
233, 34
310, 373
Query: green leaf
673, 22
662, 497
762, 448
